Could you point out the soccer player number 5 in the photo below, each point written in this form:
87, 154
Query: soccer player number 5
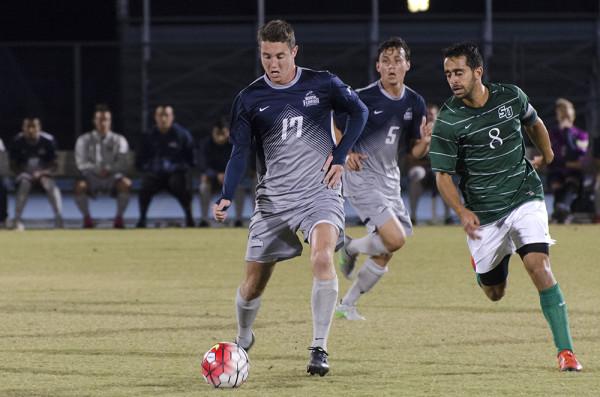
289, 123
391, 135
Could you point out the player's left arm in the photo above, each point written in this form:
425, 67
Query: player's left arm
345, 100
535, 128
421, 132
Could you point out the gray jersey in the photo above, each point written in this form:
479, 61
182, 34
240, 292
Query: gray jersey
392, 127
292, 128
94, 153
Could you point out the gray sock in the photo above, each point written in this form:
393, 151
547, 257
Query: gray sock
54, 196
21, 199
246, 314
368, 275
122, 202
82, 203
371, 245
323, 300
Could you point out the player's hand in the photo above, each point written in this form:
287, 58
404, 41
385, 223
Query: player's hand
334, 176
470, 223
220, 210
426, 130
354, 161
539, 162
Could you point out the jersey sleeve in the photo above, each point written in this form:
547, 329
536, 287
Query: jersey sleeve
527, 113
444, 148
240, 131
345, 100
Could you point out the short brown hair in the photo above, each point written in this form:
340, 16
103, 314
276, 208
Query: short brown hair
394, 42
277, 31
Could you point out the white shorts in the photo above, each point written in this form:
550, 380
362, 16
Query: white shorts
524, 225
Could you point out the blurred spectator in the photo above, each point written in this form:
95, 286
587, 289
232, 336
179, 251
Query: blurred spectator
101, 157
165, 157
214, 154
597, 181
33, 159
565, 173
3, 192
421, 177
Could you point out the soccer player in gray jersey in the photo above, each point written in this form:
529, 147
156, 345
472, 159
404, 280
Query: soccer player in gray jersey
396, 125
101, 157
288, 114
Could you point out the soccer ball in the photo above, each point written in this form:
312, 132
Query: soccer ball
225, 365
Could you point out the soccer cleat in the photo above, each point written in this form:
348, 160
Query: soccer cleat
59, 223
119, 223
203, 223
568, 362
247, 348
347, 261
88, 222
141, 224
317, 364
348, 312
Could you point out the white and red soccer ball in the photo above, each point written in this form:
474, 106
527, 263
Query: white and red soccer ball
225, 365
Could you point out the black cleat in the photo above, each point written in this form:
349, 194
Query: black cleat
318, 361
249, 346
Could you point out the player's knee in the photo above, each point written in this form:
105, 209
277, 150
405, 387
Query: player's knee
321, 259
394, 243
123, 185
80, 187
495, 293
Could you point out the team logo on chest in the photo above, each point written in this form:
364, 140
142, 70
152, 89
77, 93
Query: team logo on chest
408, 114
310, 99
505, 112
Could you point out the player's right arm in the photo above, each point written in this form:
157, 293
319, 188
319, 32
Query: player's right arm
444, 155
241, 138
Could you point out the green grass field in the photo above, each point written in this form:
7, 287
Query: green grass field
130, 313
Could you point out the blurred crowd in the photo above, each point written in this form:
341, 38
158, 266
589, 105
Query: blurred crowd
169, 159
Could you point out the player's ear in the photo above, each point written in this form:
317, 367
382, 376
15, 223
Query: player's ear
478, 71
294, 51
407, 66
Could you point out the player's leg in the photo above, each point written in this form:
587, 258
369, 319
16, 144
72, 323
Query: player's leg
24, 184
323, 239
151, 184
54, 198
178, 187
122, 188
205, 190
248, 299
393, 236
530, 233
82, 201
493, 283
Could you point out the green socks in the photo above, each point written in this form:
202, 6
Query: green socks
555, 311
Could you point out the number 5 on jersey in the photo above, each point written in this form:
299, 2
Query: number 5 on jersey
289, 123
392, 135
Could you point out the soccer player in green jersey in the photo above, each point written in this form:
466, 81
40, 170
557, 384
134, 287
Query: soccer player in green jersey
478, 135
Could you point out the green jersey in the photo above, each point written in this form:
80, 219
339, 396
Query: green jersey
485, 147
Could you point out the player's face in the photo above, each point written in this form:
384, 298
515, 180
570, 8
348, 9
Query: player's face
31, 129
164, 117
392, 66
278, 61
102, 122
565, 113
461, 78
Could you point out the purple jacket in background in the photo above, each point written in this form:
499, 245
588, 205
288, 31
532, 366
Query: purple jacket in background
568, 144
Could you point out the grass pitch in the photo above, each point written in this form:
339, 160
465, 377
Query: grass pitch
130, 313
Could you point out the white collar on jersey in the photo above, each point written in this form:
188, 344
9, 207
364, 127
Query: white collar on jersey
388, 95
284, 86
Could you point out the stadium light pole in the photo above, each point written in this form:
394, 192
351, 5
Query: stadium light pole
145, 61
487, 37
373, 37
260, 18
